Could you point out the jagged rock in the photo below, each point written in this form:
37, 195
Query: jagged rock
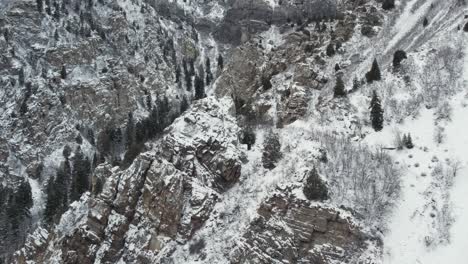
293, 230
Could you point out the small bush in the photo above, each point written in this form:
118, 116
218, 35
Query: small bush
315, 188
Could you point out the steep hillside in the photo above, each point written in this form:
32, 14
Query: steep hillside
260, 131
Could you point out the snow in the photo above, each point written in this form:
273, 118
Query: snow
408, 19
412, 225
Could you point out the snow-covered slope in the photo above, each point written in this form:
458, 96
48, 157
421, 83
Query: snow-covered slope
113, 152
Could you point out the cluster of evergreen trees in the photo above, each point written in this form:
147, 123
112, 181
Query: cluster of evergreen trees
72, 179
14, 215
271, 151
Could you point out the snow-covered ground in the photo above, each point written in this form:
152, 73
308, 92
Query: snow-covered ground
429, 224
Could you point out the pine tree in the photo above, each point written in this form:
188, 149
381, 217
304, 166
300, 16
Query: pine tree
184, 105
271, 151
337, 67
330, 50
199, 88
52, 202
376, 112
356, 84
374, 73
315, 188
130, 130
409, 142
339, 90
425, 22
56, 11
63, 72
80, 174
388, 4
21, 76
465, 28
398, 56
248, 137
266, 83
40, 5
220, 62
48, 7
403, 142
209, 75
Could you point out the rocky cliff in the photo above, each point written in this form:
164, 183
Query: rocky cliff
134, 129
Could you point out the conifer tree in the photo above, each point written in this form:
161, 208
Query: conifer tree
376, 115
271, 151
409, 142
63, 72
209, 75
184, 105
337, 67
130, 130
40, 5
48, 7
398, 56
80, 174
339, 90
220, 62
248, 137
199, 88
315, 188
21, 76
330, 50
465, 28
425, 22
388, 4
52, 202
374, 73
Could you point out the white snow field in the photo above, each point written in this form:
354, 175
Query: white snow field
429, 225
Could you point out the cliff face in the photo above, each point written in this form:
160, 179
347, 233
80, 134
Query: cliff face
134, 131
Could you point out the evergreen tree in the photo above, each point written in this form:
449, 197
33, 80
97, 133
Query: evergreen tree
409, 142
315, 188
403, 141
388, 4
184, 105
356, 84
376, 112
374, 73
48, 7
339, 90
209, 75
130, 131
199, 88
21, 76
465, 28
52, 202
40, 5
330, 50
266, 83
220, 62
80, 174
398, 56
56, 11
63, 72
271, 151
425, 22
337, 67
177, 74
248, 137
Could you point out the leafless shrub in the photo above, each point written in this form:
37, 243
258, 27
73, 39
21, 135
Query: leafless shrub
364, 179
